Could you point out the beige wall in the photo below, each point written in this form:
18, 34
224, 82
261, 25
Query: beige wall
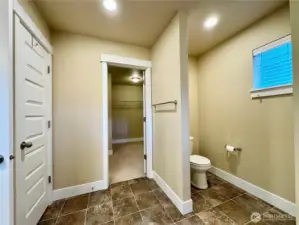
171, 129
193, 102
127, 118
77, 105
37, 18
228, 115
294, 9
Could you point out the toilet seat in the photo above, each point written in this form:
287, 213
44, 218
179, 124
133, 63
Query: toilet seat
199, 160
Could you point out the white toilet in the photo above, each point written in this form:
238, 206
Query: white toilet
199, 166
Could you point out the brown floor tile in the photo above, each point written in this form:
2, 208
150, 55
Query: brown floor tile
48, 222
120, 191
275, 216
200, 203
213, 180
137, 180
119, 184
194, 220
132, 219
234, 211
156, 215
124, 207
109, 223
194, 189
175, 214
152, 183
53, 210
75, 204
77, 218
252, 204
228, 190
215, 217
99, 214
140, 187
146, 200
162, 197
99, 197
213, 196
257, 223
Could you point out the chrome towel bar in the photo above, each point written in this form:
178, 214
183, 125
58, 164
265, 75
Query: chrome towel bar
163, 103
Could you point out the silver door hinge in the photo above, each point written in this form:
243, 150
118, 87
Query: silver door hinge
144, 156
49, 69
49, 124
144, 119
49, 179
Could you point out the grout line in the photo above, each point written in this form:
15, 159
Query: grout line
72, 212
60, 210
112, 203
135, 199
164, 207
56, 221
87, 208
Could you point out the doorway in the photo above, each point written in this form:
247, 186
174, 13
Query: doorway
126, 124
144, 68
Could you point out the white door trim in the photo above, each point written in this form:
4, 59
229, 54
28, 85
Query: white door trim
30, 25
106, 60
6, 113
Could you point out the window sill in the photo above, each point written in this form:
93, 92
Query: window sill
274, 91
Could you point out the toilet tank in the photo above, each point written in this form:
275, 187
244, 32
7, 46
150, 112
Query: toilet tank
191, 145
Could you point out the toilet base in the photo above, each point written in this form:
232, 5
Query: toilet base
199, 180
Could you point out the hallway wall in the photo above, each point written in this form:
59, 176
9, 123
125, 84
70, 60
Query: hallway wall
77, 105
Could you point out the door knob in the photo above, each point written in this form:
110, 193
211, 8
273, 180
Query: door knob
25, 144
1, 159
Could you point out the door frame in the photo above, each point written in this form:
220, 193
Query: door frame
114, 60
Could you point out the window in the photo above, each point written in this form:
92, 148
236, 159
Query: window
272, 69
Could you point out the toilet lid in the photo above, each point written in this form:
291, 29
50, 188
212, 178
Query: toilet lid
197, 159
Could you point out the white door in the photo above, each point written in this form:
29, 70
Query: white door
30, 127
144, 125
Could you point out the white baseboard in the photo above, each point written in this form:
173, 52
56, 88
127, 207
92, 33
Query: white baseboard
111, 152
261, 193
183, 206
128, 140
78, 190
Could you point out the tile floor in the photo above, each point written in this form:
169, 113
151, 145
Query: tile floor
141, 202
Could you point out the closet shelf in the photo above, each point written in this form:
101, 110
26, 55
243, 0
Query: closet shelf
127, 104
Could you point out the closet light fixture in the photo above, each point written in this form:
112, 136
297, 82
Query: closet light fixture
211, 22
135, 79
110, 5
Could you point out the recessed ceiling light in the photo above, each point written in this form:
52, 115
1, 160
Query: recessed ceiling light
210, 22
110, 5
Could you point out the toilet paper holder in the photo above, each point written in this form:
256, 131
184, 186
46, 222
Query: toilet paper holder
235, 148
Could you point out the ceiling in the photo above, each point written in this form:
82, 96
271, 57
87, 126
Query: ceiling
122, 76
141, 22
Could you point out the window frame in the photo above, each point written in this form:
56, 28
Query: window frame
275, 90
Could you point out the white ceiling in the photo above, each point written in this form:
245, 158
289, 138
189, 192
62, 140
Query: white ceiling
141, 22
